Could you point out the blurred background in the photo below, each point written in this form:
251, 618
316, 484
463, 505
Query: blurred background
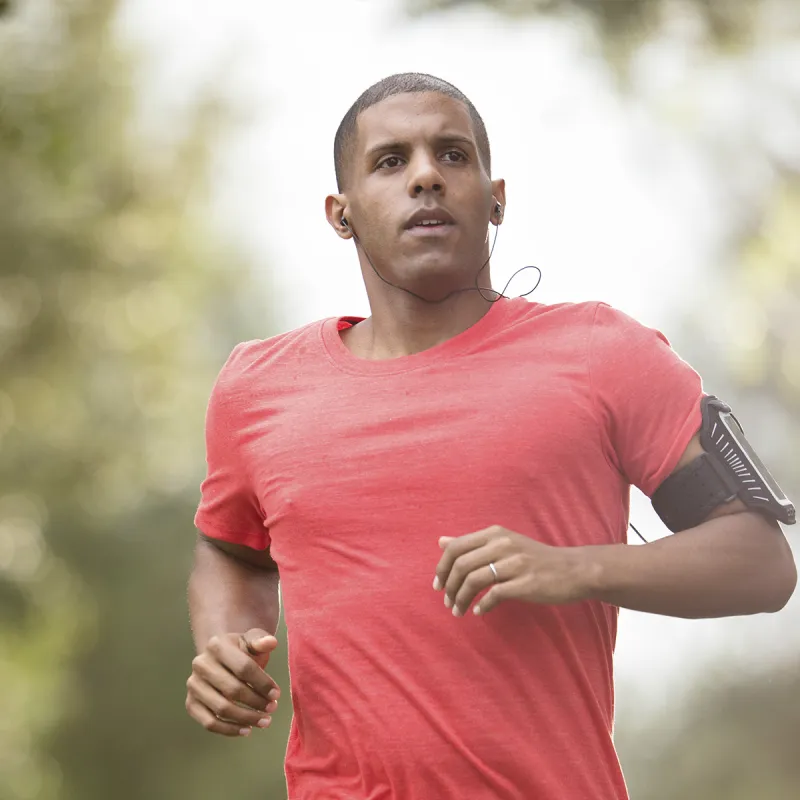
162, 174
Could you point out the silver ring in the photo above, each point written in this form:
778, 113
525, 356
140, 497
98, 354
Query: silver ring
494, 572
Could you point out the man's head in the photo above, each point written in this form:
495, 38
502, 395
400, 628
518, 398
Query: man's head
403, 83
413, 150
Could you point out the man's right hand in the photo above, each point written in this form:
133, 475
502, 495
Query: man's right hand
228, 690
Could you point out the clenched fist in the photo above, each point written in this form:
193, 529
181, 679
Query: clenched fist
228, 690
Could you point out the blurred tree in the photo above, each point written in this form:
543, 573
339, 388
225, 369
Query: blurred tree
118, 305
730, 739
623, 25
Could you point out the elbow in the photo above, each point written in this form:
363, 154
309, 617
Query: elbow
776, 565
782, 578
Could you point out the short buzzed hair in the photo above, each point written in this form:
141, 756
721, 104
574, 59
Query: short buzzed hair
402, 83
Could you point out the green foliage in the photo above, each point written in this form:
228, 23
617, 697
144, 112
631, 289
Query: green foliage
118, 304
624, 24
706, 756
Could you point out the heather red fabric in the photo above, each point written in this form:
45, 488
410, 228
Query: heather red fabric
537, 418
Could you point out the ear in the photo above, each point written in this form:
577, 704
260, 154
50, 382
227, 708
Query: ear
498, 198
335, 209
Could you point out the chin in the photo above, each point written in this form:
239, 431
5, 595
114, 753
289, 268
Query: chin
435, 276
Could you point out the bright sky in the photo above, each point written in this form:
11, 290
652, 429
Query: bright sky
608, 204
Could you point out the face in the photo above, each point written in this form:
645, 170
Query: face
418, 196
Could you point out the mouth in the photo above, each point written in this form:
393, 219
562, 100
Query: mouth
430, 222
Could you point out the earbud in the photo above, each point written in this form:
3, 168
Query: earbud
498, 209
345, 223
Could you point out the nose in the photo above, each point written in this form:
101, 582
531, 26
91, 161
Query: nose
425, 176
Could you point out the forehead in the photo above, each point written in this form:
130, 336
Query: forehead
412, 116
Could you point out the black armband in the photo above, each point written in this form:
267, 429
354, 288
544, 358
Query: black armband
728, 469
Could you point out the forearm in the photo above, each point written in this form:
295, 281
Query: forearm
732, 565
227, 595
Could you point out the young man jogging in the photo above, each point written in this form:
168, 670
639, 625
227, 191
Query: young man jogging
441, 493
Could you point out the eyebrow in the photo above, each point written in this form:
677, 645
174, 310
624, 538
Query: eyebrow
442, 139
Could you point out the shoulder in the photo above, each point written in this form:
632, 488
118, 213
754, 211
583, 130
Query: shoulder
250, 359
257, 353
567, 324
598, 319
613, 329
551, 315
573, 314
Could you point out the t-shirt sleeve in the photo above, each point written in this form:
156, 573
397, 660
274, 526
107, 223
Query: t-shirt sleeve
647, 397
229, 507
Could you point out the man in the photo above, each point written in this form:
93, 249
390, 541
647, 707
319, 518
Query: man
456, 437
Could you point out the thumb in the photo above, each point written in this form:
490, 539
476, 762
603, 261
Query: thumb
257, 642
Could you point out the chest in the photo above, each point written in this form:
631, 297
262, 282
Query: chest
327, 457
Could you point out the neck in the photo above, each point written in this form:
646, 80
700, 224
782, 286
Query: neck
402, 325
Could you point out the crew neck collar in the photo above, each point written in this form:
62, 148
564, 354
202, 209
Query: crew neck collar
338, 352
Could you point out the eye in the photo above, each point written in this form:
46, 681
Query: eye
390, 162
454, 156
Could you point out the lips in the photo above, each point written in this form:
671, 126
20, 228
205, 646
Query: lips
429, 218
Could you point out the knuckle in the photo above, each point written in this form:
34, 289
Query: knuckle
472, 582
216, 645
229, 688
226, 709
240, 664
239, 693
517, 561
458, 570
209, 723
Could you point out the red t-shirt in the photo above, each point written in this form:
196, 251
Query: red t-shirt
537, 418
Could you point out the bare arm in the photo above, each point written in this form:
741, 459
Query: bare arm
231, 589
736, 562
234, 607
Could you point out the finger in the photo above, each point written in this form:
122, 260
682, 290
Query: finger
466, 566
261, 682
210, 722
455, 548
243, 666
498, 593
237, 677
476, 581
240, 692
224, 708
259, 644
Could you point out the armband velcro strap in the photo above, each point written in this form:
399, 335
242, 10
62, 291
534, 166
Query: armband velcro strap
686, 498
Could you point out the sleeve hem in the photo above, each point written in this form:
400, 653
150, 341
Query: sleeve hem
254, 541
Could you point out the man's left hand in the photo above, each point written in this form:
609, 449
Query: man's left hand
526, 570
